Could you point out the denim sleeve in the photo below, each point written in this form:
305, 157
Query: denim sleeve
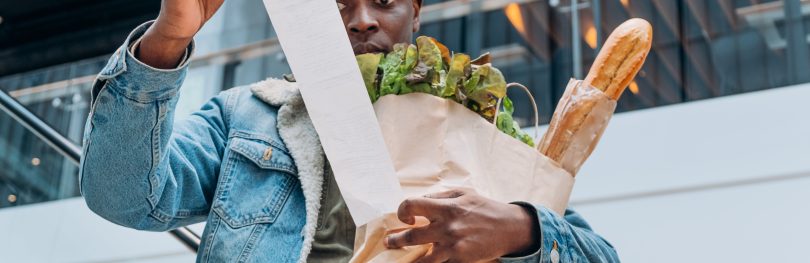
137, 169
566, 239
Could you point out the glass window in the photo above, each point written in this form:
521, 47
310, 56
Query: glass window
702, 49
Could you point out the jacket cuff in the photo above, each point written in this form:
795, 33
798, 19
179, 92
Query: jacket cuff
552, 233
142, 83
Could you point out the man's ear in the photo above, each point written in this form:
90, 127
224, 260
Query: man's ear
417, 5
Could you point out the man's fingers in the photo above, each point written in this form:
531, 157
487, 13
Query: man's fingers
455, 193
411, 237
419, 206
431, 206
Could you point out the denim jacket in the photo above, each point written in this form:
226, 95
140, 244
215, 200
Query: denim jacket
248, 163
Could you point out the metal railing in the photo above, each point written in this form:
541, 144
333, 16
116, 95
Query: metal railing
70, 151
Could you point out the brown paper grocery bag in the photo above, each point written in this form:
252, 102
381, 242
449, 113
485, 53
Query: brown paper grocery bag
437, 145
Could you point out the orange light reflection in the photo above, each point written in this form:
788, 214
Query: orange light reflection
515, 17
590, 37
633, 87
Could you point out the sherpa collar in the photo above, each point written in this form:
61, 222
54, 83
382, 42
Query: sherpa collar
302, 141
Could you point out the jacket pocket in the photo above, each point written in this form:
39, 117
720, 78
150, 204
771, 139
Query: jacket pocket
257, 178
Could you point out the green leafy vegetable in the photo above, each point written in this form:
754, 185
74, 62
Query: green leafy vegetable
428, 67
506, 124
392, 78
368, 68
459, 70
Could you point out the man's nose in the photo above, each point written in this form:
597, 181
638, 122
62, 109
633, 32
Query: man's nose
363, 23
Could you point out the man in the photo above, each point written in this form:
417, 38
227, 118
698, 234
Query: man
250, 164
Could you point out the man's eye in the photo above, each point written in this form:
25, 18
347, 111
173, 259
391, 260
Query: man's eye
341, 6
384, 2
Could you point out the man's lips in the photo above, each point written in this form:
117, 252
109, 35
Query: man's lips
362, 48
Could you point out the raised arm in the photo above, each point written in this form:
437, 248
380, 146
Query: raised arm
137, 168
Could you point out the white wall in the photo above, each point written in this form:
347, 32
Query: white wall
721, 180
67, 231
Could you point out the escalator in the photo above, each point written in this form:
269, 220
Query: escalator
40, 164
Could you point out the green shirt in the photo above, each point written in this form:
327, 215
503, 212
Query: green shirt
334, 237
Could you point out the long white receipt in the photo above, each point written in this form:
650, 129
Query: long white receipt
320, 55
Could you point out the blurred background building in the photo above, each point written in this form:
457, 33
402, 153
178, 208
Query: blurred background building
706, 161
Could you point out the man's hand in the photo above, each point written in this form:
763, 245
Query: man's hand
164, 44
466, 227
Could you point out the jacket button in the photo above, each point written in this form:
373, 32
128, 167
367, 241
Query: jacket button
267, 154
555, 254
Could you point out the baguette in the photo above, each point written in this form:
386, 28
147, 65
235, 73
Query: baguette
621, 57
615, 67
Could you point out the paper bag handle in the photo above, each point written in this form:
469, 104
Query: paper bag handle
534, 107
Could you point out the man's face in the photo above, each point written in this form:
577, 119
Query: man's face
376, 25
